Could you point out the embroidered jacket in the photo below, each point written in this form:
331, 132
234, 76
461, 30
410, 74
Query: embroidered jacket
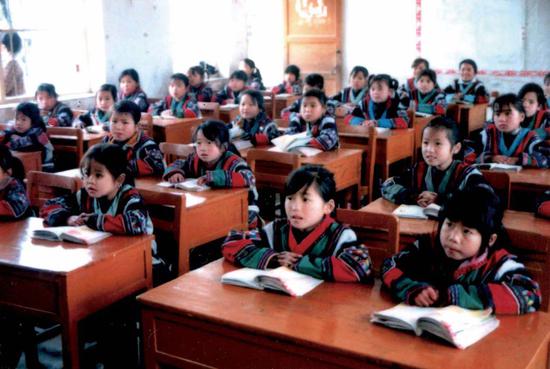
539, 122
60, 116
323, 132
255, 82
405, 90
288, 88
35, 139
227, 94
138, 97
348, 95
526, 145
494, 279
230, 171
186, 108
124, 214
432, 103
260, 130
202, 92
144, 155
386, 114
405, 189
96, 117
14, 202
330, 251
473, 91
295, 108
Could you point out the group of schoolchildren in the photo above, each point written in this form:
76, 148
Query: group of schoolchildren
467, 265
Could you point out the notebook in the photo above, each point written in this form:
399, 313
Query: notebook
417, 212
297, 143
81, 234
189, 184
499, 166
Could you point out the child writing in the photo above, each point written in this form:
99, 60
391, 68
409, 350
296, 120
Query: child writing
427, 98
418, 65
231, 92
215, 164
14, 202
29, 134
105, 99
107, 202
14, 83
351, 96
292, 83
143, 154
54, 113
309, 240
378, 108
179, 102
505, 141
253, 123
467, 266
197, 87
130, 89
313, 80
253, 74
439, 174
537, 115
468, 88
314, 119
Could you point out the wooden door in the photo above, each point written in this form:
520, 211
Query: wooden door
313, 39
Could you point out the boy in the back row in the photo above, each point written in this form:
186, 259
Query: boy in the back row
54, 113
178, 104
313, 80
231, 92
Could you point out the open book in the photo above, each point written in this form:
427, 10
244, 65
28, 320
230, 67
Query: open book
498, 166
81, 234
417, 212
279, 279
189, 184
460, 327
297, 142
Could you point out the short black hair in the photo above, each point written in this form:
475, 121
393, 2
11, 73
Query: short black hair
130, 107
385, 78
256, 96
447, 124
546, 78
508, 99
31, 111
107, 87
470, 62
359, 69
131, 72
315, 92
8, 161
112, 156
240, 75
293, 69
197, 69
306, 176
48, 88
533, 87
12, 42
215, 131
315, 80
430, 73
416, 62
180, 77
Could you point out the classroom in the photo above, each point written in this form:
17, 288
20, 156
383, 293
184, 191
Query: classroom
358, 165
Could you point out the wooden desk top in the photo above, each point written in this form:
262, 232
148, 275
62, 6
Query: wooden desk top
531, 176
320, 159
17, 248
333, 320
86, 136
381, 134
163, 122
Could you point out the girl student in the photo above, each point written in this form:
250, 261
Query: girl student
143, 154
427, 98
537, 115
433, 179
358, 88
253, 73
378, 108
215, 164
105, 99
54, 113
29, 134
292, 83
417, 66
467, 88
14, 202
179, 103
468, 265
197, 87
308, 240
314, 119
232, 90
130, 89
505, 141
253, 123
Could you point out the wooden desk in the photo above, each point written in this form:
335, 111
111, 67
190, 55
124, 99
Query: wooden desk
32, 160
470, 118
526, 186
66, 282
196, 321
229, 112
281, 102
175, 130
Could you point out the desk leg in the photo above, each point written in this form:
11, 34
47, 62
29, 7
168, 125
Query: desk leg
71, 348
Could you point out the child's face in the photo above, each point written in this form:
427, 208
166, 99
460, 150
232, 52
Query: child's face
530, 104
45, 101
547, 87
290, 78
104, 100
508, 119
467, 72
99, 182
459, 242
425, 84
418, 69
306, 209
248, 108
123, 126
127, 85
177, 89
437, 150
358, 81
194, 79
311, 109
380, 92
4, 175
208, 151
236, 84
22, 123
245, 68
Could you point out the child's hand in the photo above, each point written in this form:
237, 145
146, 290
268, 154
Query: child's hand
501, 159
166, 113
369, 123
230, 101
201, 180
458, 96
78, 220
288, 259
427, 297
426, 198
176, 178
